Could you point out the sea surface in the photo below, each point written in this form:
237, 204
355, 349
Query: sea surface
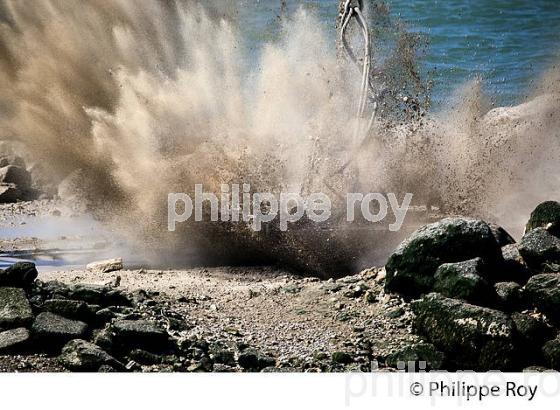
505, 43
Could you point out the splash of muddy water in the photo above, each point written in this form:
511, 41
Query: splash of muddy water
147, 98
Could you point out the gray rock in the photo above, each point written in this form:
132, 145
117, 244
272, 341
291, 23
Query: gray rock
514, 267
140, 296
531, 332
395, 313
139, 334
473, 337
551, 353
222, 355
202, 365
20, 274
411, 268
254, 360
98, 295
356, 290
15, 310
538, 247
51, 289
509, 296
546, 214
82, 356
104, 339
53, 331
13, 340
107, 314
543, 292
463, 280
71, 309
106, 266
144, 357
419, 352
342, 358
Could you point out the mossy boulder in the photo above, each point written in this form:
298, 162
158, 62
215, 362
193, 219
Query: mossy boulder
411, 268
539, 247
543, 292
463, 280
52, 331
473, 337
546, 214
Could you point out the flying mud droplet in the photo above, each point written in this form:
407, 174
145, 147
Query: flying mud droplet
140, 99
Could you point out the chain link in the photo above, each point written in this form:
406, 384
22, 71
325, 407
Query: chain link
354, 9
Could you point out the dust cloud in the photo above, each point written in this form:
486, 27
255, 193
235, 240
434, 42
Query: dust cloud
138, 99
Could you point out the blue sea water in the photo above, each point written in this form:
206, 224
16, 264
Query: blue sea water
506, 43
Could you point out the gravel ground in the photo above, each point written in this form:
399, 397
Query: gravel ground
291, 317
266, 307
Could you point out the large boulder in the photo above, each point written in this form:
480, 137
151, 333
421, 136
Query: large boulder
539, 247
15, 310
20, 274
13, 340
53, 331
411, 268
82, 356
463, 280
547, 214
543, 292
473, 337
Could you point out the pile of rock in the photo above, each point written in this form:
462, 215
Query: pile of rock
483, 300
15, 180
101, 328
